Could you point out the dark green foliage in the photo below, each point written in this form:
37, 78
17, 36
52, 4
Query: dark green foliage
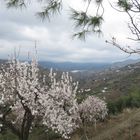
37, 134
7, 135
86, 23
80, 18
81, 35
130, 101
16, 3
111, 107
52, 7
96, 21
135, 98
125, 5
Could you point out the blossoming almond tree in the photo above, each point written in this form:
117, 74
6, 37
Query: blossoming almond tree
93, 109
23, 99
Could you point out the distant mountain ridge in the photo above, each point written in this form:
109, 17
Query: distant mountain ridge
75, 66
124, 63
95, 66
71, 66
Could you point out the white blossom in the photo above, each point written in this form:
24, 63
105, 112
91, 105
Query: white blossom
22, 91
93, 109
29, 100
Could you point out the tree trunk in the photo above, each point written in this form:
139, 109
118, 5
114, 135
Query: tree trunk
26, 125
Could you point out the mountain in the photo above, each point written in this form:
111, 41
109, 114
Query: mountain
71, 66
124, 63
84, 67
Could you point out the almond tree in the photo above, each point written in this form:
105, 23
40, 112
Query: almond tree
91, 110
24, 98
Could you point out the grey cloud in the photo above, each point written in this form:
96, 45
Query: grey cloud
22, 28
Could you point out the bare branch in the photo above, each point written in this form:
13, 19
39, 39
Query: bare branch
126, 49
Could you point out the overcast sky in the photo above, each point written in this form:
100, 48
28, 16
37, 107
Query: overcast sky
20, 29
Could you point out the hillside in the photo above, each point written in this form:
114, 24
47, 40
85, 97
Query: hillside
125, 126
111, 83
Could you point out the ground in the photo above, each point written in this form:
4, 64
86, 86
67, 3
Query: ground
125, 126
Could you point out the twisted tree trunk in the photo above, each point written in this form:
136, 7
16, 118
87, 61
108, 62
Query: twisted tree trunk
26, 125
